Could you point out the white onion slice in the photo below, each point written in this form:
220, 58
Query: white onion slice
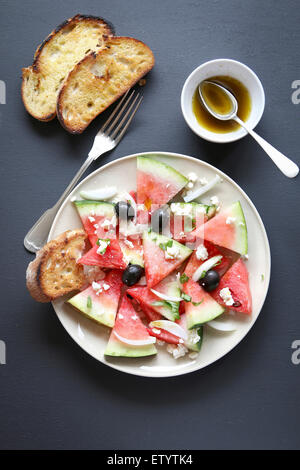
136, 342
222, 325
133, 203
206, 266
171, 327
99, 194
202, 190
168, 298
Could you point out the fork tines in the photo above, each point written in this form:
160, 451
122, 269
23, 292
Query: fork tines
121, 122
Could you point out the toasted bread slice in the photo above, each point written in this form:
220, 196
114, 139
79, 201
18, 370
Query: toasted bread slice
100, 79
54, 272
54, 59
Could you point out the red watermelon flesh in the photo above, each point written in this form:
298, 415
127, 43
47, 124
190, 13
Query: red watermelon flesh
93, 214
112, 258
237, 280
128, 324
157, 267
146, 299
193, 263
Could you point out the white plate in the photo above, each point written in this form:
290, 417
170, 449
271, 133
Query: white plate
93, 338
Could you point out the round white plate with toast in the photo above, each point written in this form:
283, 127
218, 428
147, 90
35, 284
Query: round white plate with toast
93, 337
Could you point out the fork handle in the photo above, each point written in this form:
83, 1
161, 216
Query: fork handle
38, 234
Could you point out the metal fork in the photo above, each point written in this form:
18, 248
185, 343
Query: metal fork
106, 139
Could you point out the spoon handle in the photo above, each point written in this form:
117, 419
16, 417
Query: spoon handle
287, 166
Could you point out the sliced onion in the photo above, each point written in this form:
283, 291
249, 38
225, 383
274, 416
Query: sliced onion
206, 266
166, 297
133, 203
171, 327
99, 194
222, 325
198, 192
136, 342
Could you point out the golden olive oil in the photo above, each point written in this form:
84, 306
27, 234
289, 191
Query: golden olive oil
220, 103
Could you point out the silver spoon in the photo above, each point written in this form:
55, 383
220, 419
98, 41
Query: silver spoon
288, 168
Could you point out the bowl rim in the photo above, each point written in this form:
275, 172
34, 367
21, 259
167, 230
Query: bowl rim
143, 373
227, 137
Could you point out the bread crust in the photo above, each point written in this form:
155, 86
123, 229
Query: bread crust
37, 274
89, 58
35, 67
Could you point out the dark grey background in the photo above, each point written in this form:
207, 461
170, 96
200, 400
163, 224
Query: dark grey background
52, 394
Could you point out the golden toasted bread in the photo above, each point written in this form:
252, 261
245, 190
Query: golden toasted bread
100, 79
54, 272
54, 59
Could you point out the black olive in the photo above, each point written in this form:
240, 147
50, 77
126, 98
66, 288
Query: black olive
237, 304
124, 210
132, 274
210, 281
160, 219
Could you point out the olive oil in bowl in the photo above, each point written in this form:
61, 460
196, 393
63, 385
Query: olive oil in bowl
220, 104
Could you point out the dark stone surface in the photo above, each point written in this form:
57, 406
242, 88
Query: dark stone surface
52, 394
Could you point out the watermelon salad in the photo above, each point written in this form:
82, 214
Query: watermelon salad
162, 266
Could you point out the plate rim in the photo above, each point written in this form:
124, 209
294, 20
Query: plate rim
195, 368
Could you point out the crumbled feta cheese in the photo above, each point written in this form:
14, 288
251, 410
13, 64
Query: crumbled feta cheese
128, 243
245, 257
159, 342
156, 331
192, 177
230, 220
190, 185
121, 316
215, 200
172, 252
130, 228
93, 273
193, 355
203, 181
193, 336
181, 209
226, 296
106, 286
103, 244
96, 226
181, 341
201, 253
134, 317
91, 219
182, 234
96, 285
178, 351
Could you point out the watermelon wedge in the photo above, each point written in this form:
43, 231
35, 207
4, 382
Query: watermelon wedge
236, 279
149, 301
202, 307
100, 306
227, 229
193, 263
129, 328
157, 263
157, 183
95, 213
112, 258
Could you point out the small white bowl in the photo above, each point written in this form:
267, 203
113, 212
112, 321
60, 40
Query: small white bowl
233, 69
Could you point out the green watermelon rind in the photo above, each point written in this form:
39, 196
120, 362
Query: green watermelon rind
196, 346
161, 170
200, 314
241, 245
119, 349
107, 318
103, 208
